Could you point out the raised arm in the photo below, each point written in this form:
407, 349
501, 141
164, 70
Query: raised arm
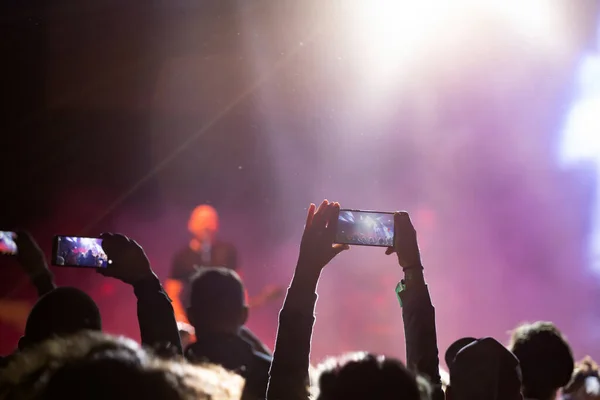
289, 375
32, 261
156, 318
417, 310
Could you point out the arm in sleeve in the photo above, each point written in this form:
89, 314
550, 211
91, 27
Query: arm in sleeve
289, 374
158, 327
44, 283
420, 332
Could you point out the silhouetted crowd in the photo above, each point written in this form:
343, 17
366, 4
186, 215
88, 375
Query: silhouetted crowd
63, 353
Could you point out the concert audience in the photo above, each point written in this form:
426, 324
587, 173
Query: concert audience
63, 355
63, 311
218, 312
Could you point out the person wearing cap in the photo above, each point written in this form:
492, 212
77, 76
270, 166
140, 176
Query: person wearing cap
482, 369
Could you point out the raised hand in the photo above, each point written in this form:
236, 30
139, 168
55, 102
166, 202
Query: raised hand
585, 383
126, 259
317, 248
30, 256
405, 242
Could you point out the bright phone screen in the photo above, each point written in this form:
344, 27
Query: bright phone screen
74, 251
365, 228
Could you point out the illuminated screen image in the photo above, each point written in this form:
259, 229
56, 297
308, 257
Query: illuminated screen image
365, 228
7, 243
74, 251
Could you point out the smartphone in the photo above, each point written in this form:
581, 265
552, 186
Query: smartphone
75, 251
8, 244
365, 228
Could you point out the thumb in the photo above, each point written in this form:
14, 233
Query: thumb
389, 250
338, 248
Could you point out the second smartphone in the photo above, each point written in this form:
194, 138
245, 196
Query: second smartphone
77, 251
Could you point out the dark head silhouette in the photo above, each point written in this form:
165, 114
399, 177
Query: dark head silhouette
63, 311
218, 303
546, 359
363, 376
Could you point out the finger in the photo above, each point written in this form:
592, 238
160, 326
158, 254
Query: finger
397, 218
319, 220
310, 215
108, 243
107, 239
331, 217
333, 213
402, 220
389, 250
136, 244
121, 239
322, 208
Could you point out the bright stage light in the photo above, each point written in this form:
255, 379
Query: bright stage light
581, 139
536, 20
387, 33
581, 134
389, 36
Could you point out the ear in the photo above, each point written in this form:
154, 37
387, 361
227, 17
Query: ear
448, 393
244, 316
23, 343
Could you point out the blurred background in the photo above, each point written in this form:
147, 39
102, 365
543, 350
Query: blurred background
481, 118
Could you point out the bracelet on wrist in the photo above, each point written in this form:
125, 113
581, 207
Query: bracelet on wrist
413, 268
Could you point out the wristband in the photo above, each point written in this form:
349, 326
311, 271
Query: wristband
413, 275
400, 287
413, 267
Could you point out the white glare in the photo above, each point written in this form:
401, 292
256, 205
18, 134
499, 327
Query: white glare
582, 132
391, 36
535, 19
388, 33
581, 138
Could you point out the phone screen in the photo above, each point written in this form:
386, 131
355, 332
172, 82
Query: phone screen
365, 228
8, 245
74, 251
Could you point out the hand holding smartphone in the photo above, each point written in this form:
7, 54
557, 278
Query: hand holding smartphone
8, 244
365, 228
76, 251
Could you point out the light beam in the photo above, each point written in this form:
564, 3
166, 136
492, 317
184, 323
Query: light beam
581, 139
